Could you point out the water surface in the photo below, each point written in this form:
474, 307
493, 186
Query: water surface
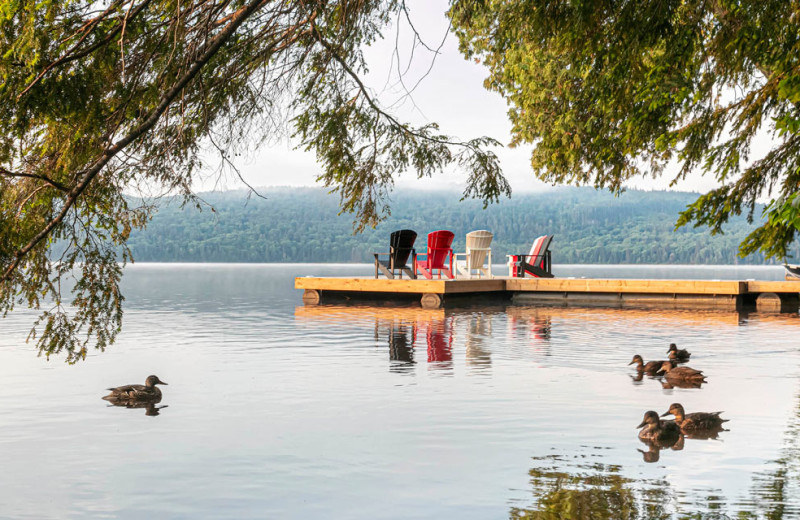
276, 410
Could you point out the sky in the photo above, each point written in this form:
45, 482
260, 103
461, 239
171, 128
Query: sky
450, 92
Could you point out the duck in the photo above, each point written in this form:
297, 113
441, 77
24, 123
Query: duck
682, 373
662, 432
695, 422
138, 393
650, 368
681, 355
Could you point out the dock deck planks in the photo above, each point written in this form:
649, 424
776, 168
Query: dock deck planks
691, 292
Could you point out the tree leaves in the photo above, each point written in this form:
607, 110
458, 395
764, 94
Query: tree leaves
611, 90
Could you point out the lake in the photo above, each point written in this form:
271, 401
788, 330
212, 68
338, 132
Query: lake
276, 410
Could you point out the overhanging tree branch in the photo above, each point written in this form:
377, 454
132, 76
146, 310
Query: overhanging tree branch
199, 62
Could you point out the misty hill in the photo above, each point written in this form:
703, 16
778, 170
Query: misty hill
302, 225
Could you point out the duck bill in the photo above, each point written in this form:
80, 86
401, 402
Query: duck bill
665, 414
641, 425
163, 383
632, 362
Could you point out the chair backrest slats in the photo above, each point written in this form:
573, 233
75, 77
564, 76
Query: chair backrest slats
536, 248
439, 243
478, 243
401, 242
542, 254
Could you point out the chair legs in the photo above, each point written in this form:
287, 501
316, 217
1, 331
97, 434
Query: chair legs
428, 273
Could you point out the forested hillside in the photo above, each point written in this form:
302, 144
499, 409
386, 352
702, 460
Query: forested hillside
302, 225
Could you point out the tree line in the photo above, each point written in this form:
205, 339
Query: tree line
303, 225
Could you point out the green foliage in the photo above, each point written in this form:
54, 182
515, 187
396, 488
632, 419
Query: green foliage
97, 99
611, 90
301, 225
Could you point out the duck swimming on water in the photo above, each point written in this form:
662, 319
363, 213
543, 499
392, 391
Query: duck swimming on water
678, 354
146, 392
650, 368
682, 373
695, 422
664, 433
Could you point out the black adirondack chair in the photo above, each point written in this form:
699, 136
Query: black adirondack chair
401, 246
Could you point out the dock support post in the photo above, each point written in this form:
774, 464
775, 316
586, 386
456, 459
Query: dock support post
768, 302
311, 297
431, 301
773, 302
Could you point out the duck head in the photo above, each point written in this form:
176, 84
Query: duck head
672, 348
666, 366
675, 409
638, 360
650, 418
152, 381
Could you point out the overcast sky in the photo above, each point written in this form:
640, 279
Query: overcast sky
451, 94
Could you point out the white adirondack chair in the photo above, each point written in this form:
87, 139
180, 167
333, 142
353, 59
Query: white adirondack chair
475, 259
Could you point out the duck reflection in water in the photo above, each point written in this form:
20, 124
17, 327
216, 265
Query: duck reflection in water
658, 434
653, 452
150, 408
678, 383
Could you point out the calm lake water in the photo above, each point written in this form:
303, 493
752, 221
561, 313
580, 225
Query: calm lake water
276, 410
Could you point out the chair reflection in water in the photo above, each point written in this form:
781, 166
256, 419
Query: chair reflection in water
479, 328
401, 343
407, 329
404, 335
538, 323
440, 342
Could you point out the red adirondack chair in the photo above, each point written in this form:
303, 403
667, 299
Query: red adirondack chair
439, 250
537, 263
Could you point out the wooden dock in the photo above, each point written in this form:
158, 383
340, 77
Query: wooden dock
783, 296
